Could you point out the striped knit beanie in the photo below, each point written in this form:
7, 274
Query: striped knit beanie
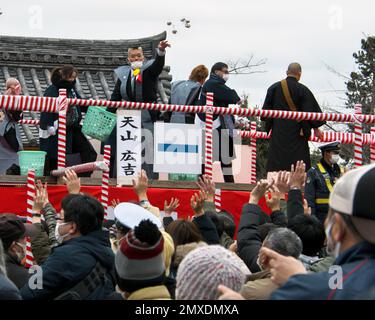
140, 255
204, 269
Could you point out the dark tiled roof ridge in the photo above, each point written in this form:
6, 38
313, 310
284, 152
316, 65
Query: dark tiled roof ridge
158, 37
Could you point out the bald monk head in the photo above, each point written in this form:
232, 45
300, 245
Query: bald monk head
294, 70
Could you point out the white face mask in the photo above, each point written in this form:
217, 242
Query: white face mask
335, 159
60, 238
136, 64
226, 77
332, 249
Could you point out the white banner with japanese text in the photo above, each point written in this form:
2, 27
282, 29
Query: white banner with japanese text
129, 147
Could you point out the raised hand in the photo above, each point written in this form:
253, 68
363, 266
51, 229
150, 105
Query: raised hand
297, 175
171, 207
197, 202
140, 186
282, 181
41, 197
260, 189
274, 202
73, 183
163, 45
208, 186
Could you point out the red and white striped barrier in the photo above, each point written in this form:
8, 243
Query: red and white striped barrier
343, 137
47, 104
358, 159
61, 140
29, 121
253, 148
105, 180
30, 204
217, 200
208, 135
41, 104
372, 146
80, 168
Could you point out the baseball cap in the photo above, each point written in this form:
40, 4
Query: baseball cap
351, 195
130, 215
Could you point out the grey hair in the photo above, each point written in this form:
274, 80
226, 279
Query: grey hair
2, 261
294, 68
284, 241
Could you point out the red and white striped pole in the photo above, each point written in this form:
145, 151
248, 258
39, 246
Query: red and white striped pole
208, 135
253, 149
217, 200
61, 144
30, 204
358, 158
372, 145
105, 180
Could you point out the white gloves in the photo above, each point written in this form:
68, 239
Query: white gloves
51, 131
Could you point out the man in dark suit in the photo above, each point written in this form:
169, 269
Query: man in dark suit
137, 82
223, 143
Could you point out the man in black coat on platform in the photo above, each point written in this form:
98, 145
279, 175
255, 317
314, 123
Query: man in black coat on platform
137, 82
289, 141
223, 145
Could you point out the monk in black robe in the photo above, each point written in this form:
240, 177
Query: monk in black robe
289, 141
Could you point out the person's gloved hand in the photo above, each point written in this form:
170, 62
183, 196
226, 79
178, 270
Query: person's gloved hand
51, 131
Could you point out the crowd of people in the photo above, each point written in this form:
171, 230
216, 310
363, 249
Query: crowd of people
318, 242
142, 255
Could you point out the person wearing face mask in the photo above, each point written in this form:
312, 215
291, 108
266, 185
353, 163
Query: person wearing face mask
137, 82
12, 234
350, 227
321, 179
64, 77
10, 135
223, 145
82, 266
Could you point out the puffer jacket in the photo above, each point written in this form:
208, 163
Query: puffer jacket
71, 262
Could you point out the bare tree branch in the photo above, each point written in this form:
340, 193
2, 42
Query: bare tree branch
242, 66
334, 71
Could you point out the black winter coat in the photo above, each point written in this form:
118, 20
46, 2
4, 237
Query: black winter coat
8, 291
248, 236
17, 273
287, 146
47, 119
207, 229
71, 262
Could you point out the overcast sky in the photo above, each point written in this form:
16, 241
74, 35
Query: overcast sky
310, 32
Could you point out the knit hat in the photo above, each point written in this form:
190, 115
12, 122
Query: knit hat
204, 269
139, 261
351, 195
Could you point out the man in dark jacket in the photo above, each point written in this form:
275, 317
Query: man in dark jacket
289, 141
137, 82
8, 291
64, 78
248, 237
350, 226
82, 266
12, 234
223, 97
